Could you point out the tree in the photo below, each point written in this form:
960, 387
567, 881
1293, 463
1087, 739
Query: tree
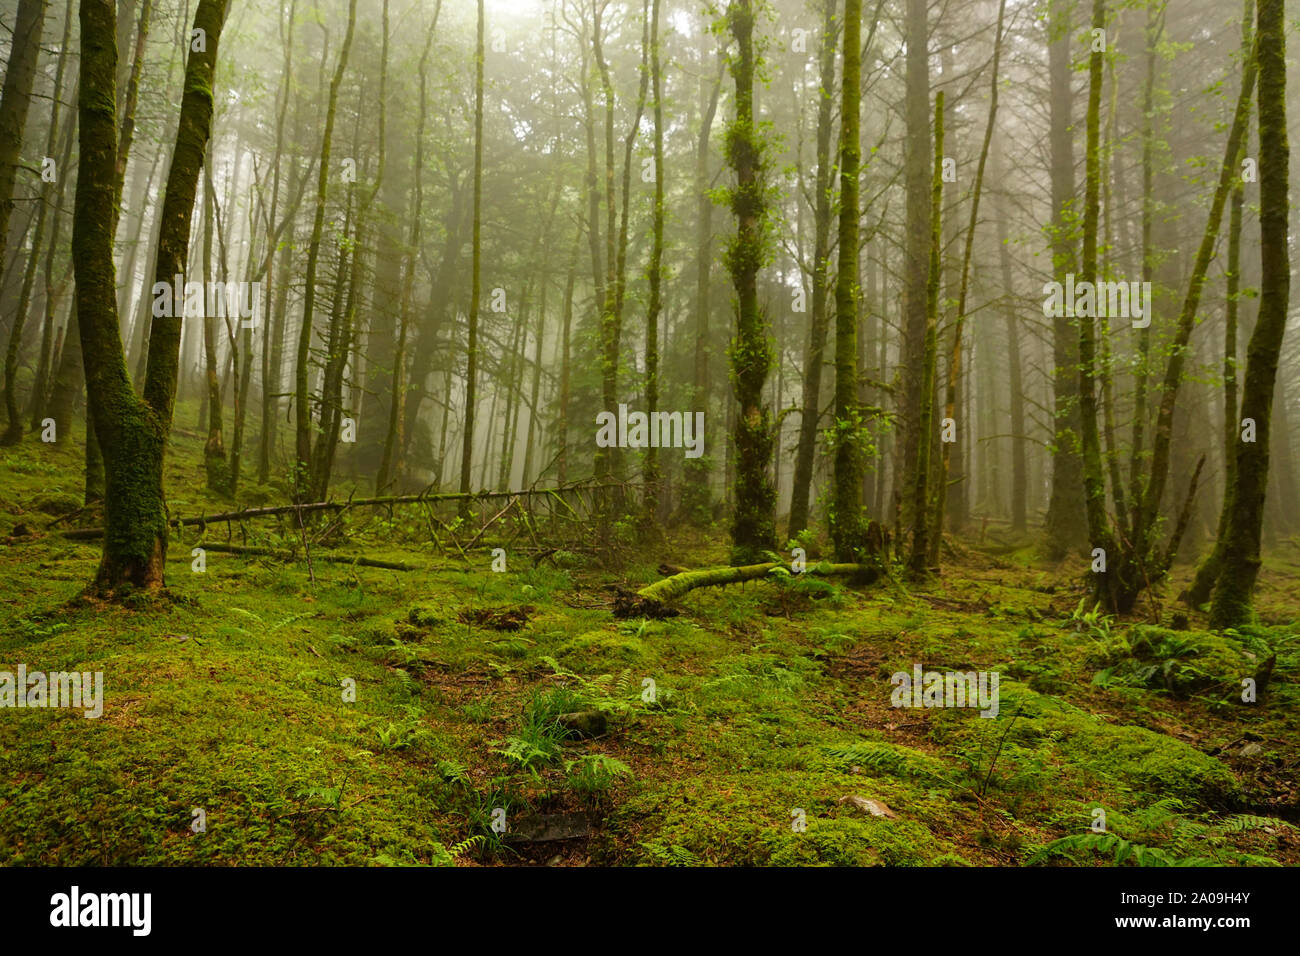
302, 404
954, 361
651, 505
16, 97
696, 495
1135, 558
810, 416
1066, 527
1231, 603
847, 530
471, 359
915, 255
919, 560
753, 528
1208, 572
14, 432
132, 429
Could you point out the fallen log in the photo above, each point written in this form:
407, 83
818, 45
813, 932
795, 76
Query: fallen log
290, 556
86, 534
653, 599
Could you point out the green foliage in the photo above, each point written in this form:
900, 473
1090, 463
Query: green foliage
592, 775
403, 734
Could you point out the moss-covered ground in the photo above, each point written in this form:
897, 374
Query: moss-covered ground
767, 735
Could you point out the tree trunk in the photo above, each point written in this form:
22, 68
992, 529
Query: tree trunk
918, 562
848, 531
14, 433
810, 416
916, 258
1231, 602
16, 97
1208, 572
650, 505
302, 398
753, 529
696, 494
954, 360
133, 431
471, 363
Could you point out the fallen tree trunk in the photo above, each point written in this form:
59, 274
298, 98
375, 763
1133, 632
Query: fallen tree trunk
652, 600
87, 534
290, 556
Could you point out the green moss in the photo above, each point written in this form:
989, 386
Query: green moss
849, 842
596, 651
230, 699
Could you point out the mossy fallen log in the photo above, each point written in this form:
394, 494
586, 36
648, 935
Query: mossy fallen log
653, 600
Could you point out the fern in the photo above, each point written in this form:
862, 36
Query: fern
1123, 850
868, 755
464, 846
1247, 821
454, 772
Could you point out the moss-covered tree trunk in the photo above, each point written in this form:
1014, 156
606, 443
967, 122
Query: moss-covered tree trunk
1094, 481
37, 403
846, 524
1015, 373
606, 460
810, 416
14, 432
696, 472
1231, 603
132, 430
753, 528
919, 559
915, 259
1137, 455
1066, 525
302, 398
954, 358
650, 505
215, 465
16, 97
1145, 527
1208, 572
476, 249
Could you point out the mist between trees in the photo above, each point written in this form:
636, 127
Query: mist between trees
919, 272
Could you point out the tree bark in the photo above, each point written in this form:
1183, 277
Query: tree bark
753, 529
133, 430
810, 416
15, 98
1231, 602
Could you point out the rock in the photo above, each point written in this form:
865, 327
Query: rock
546, 827
584, 723
874, 807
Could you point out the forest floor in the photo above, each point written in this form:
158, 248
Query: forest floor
767, 737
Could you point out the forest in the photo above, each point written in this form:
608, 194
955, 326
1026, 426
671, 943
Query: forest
668, 433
